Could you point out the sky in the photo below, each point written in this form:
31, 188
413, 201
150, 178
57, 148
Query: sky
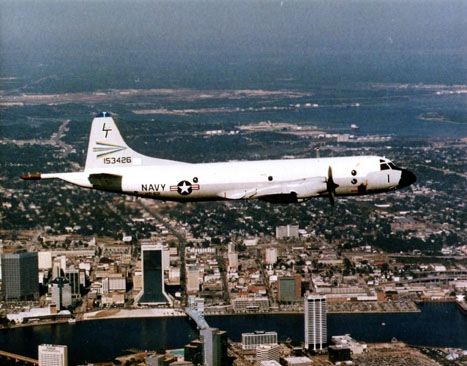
230, 38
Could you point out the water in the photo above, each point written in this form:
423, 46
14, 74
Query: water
94, 341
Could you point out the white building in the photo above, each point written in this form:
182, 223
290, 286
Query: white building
271, 255
347, 341
45, 260
53, 355
192, 279
233, 261
259, 337
287, 231
268, 352
315, 322
110, 284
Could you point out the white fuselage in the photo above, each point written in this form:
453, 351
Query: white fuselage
111, 165
244, 179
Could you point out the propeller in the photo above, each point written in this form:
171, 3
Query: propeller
331, 187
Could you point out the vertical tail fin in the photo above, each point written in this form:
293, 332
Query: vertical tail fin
107, 148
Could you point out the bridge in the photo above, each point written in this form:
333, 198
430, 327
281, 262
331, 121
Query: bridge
197, 317
8, 358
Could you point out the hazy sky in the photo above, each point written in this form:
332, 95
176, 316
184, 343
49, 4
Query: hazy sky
210, 34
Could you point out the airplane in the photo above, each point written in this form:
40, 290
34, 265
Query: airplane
111, 165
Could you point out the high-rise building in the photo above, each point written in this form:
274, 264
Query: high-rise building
271, 255
53, 355
61, 292
268, 352
72, 275
233, 261
215, 346
153, 275
287, 231
290, 288
192, 279
315, 322
20, 276
253, 340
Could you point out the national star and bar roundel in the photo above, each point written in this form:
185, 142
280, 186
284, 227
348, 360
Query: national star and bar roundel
184, 187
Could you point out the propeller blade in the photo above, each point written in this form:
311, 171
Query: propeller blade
331, 187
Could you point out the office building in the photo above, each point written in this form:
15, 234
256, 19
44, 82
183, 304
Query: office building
259, 337
192, 279
72, 275
233, 261
250, 304
271, 256
153, 275
53, 355
61, 292
268, 352
290, 288
315, 322
20, 276
287, 231
215, 346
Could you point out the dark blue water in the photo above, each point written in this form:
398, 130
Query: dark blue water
93, 341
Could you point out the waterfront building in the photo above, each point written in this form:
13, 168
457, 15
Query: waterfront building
258, 337
53, 355
61, 292
315, 322
290, 288
153, 291
271, 256
347, 341
286, 231
215, 346
267, 352
244, 304
20, 276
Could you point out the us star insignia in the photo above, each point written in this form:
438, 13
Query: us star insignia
184, 188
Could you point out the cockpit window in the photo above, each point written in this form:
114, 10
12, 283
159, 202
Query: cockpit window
384, 166
392, 166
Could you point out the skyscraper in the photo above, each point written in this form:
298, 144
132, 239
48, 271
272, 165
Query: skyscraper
20, 276
315, 322
61, 292
215, 346
153, 275
290, 288
53, 355
72, 275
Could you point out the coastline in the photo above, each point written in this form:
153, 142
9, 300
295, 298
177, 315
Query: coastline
170, 312
132, 313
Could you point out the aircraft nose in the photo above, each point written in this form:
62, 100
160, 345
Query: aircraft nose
407, 178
